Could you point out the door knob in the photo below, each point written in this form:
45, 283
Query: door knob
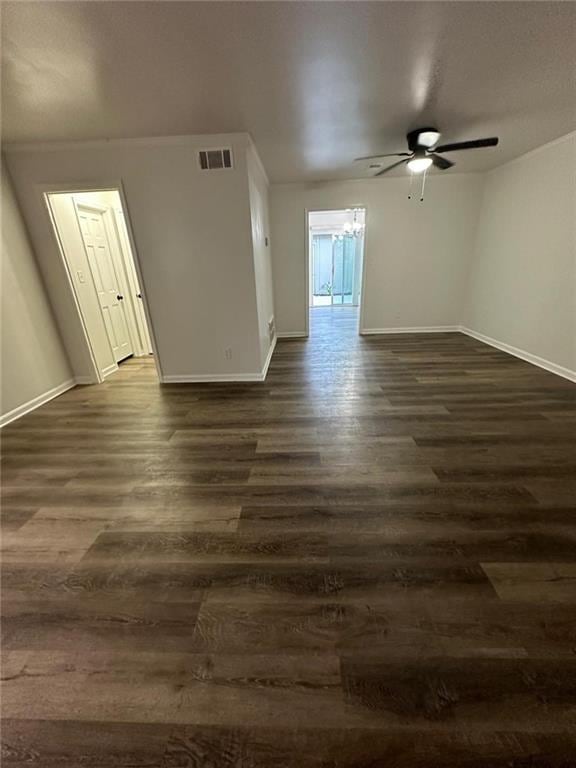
120, 298
139, 295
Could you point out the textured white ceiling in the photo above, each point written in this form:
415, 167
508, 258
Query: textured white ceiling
315, 83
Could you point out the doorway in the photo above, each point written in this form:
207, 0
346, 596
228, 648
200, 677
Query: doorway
335, 262
92, 231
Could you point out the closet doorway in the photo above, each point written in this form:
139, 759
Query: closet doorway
92, 232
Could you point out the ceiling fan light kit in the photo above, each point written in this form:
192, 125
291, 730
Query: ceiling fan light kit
419, 164
425, 152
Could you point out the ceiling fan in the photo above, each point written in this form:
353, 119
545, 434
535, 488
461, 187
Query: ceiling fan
424, 151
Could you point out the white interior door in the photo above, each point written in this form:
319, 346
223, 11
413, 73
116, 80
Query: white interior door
133, 284
106, 280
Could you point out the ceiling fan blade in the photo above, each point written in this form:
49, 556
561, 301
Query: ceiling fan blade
473, 144
375, 157
394, 165
440, 162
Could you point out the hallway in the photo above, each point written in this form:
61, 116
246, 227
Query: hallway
340, 322
367, 560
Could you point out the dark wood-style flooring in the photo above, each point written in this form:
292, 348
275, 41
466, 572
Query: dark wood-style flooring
366, 561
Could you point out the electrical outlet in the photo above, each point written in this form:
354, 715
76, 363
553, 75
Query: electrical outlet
228, 353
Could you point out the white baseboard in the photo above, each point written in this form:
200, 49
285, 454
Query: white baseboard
36, 402
415, 329
268, 358
528, 357
292, 335
110, 369
207, 378
210, 378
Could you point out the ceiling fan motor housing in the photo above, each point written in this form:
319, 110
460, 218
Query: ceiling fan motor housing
416, 139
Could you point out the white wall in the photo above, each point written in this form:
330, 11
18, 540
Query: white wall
34, 363
258, 192
416, 254
192, 233
522, 286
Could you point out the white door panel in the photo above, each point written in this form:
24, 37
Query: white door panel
136, 292
106, 281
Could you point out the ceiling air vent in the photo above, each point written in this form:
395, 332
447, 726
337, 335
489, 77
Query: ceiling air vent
214, 159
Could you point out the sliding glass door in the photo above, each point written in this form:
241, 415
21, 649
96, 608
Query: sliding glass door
335, 267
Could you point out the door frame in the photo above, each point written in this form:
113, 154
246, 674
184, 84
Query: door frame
317, 209
140, 329
112, 185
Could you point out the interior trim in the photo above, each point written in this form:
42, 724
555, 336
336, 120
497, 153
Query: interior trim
268, 358
208, 378
36, 402
216, 377
415, 329
528, 357
105, 372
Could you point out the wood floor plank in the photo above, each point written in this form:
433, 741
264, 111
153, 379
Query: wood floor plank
534, 582
94, 625
69, 744
263, 581
520, 694
246, 690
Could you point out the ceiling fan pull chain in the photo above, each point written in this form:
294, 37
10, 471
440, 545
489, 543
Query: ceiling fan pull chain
410, 187
423, 185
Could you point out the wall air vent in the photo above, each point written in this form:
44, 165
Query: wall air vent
215, 159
